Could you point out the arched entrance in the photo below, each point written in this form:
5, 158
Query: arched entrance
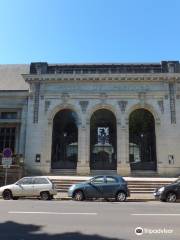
142, 140
103, 141
64, 140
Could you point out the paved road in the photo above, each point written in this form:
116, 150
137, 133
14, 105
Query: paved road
68, 220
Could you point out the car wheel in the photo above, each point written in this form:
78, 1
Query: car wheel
78, 196
171, 197
121, 197
45, 196
7, 195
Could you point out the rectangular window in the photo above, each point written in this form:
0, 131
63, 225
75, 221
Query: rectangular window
8, 115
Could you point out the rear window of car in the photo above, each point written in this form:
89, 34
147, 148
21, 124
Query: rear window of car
41, 181
111, 180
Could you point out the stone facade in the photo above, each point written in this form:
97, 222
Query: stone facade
120, 88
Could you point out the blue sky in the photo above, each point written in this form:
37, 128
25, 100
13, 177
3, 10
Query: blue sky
76, 31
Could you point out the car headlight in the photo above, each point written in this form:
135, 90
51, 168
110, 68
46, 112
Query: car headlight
161, 189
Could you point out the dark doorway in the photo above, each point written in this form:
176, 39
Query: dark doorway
142, 140
65, 140
103, 141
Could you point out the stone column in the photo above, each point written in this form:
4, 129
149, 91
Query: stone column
123, 167
83, 149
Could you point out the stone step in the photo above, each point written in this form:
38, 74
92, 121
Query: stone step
129, 183
63, 172
103, 172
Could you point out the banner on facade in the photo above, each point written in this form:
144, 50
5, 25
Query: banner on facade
103, 135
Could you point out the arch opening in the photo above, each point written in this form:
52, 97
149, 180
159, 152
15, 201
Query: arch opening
142, 140
103, 140
65, 140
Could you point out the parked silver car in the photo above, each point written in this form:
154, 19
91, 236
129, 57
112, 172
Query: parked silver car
29, 187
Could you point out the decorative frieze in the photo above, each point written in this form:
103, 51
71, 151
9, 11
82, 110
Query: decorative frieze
122, 105
161, 105
83, 105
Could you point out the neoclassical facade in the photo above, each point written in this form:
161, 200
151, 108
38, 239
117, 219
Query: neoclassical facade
93, 118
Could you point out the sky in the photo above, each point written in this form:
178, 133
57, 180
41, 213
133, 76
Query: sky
89, 31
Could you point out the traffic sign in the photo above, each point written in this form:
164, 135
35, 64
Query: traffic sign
7, 152
6, 162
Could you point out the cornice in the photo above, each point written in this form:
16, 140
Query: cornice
47, 78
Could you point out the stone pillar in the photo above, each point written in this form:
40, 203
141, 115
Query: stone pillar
123, 167
47, 147
83, 149
22, 134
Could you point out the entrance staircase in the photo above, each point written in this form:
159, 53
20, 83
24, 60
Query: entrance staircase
136, 185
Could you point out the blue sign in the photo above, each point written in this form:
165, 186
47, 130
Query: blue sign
7, 152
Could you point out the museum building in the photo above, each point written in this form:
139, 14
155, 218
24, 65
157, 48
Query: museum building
92, 118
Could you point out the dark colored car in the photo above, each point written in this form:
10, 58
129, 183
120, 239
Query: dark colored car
168, 193
100, 187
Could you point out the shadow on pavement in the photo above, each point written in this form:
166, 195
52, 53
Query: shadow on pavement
16, 231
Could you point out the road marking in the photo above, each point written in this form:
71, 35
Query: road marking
155, 214
53, 213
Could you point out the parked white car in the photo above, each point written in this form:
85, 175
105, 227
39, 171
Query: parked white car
29, 187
